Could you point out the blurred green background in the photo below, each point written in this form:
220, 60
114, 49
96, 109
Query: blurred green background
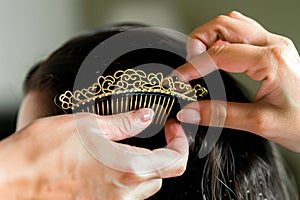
31, 29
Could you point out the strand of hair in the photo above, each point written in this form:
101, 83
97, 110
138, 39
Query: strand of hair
126, 104
153, 104
112, 106
117, 105
170, 108
141, 100
131, 102
164, 117
93, 109
102, 107
122, 102
149, 102
156, 109
135, 102
98, 110
107, 107
160, 111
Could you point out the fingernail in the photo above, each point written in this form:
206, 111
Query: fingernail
176, 76
145, 114
189, 116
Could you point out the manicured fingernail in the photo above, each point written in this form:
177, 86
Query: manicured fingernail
145, 114
189, 116
176, 76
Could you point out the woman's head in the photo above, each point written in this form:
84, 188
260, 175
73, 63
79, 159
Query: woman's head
240, 166
57, 74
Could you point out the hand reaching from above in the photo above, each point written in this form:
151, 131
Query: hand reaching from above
236, 43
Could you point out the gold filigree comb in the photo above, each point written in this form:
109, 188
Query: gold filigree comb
129, 90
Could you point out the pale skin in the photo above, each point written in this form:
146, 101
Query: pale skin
45, 159
237, 43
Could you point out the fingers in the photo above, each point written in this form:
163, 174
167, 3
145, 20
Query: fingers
242, 116
238, 58
227, 28
159, 163
233, 28
176, 138
198, 67
147, 168
171, 161
233, 49
263, 119
125, 125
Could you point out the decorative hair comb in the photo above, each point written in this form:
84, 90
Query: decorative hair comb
131, 90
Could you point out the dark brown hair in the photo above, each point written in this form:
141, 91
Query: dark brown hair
240, 166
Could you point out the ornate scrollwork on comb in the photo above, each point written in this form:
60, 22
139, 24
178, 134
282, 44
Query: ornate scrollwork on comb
131, 80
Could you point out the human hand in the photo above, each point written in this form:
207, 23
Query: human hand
237, 43
46, 160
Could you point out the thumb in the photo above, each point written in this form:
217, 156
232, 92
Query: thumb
125, 125
220, 114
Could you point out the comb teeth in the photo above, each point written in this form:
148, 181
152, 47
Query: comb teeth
161, 104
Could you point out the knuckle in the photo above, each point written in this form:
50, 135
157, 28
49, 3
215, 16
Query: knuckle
180, 170
221, 19
205, 113
131, 178
287, 42
275, 51
132, 173
259, 121
217, 50
232, 13
278, 58
125, 124
218, 114
278, 53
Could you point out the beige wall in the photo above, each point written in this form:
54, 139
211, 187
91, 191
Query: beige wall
29, 31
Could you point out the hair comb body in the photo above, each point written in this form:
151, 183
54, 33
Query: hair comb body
131, 89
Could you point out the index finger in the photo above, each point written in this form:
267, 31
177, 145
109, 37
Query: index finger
159, 163
227, 28
171, 161
236, 58
199, 66
233, 28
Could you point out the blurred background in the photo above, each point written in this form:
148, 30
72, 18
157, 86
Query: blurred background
32, 29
